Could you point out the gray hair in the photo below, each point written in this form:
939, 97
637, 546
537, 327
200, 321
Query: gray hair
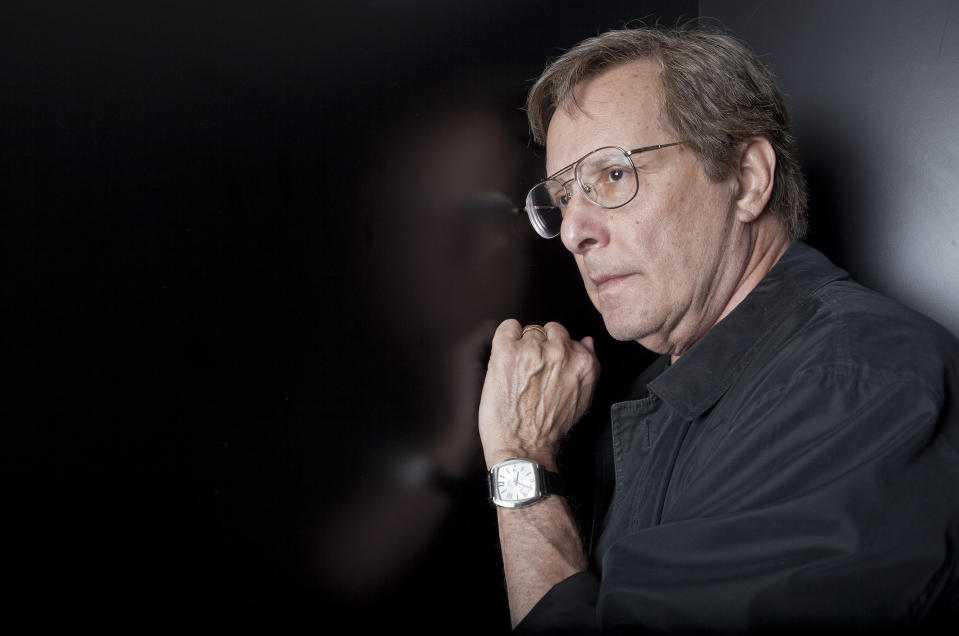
716, 94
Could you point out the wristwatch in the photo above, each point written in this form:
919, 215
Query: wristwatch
518, 482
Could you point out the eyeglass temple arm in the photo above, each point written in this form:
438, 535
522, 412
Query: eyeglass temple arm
656, 147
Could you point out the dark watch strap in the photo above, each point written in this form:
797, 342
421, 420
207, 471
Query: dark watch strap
554, 482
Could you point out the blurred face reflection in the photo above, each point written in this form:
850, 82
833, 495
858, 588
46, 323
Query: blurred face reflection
450, 255
462, 255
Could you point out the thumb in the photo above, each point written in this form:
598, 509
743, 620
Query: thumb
589, 344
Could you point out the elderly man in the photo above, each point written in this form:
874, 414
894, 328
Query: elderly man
792, 458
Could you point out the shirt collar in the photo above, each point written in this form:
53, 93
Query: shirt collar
702, 375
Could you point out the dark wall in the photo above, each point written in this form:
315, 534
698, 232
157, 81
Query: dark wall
874, 91
251, 253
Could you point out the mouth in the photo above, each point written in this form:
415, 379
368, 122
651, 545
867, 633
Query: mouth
606, 282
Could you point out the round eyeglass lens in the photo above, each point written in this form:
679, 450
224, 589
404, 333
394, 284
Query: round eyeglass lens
607, 177
542, 206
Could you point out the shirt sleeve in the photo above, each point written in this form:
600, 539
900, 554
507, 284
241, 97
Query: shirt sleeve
568, 608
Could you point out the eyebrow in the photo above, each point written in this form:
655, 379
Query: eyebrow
562, 170
628, 153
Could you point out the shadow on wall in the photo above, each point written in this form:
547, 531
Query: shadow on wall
830, 191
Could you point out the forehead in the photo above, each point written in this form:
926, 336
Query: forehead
619, 107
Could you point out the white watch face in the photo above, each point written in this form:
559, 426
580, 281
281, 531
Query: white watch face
516, 481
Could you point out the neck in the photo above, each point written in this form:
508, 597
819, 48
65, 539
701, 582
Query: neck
770, 243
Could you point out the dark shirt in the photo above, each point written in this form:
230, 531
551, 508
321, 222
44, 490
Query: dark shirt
796, 468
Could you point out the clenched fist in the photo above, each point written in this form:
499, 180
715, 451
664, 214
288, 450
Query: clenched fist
537, 387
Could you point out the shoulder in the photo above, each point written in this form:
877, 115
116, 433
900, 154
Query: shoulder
848, 381
850, 359
851, 329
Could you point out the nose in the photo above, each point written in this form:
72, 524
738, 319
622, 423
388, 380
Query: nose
584, 225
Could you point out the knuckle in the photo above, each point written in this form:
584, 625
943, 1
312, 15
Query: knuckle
505, 327
556, 329
503, 331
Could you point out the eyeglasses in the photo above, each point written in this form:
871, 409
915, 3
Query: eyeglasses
606, 176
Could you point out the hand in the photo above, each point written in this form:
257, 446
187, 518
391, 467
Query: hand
537, 387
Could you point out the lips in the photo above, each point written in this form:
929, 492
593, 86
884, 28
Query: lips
605, 282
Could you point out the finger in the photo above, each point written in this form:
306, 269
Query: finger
535, 331
509, 329
556, 331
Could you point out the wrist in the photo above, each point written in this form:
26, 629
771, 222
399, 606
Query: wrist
547, 458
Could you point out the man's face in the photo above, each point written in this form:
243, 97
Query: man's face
661, 268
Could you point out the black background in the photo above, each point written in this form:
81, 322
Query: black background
201, 220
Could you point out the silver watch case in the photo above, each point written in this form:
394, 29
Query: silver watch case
539, 490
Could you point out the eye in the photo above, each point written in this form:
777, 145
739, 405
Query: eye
615, 174
564, 199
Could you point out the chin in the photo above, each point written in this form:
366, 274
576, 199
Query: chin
645, 335
623, 332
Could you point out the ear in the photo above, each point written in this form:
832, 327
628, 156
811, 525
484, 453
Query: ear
755, 177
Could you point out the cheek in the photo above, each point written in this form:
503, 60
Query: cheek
690, 230
667, 231
699, 208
